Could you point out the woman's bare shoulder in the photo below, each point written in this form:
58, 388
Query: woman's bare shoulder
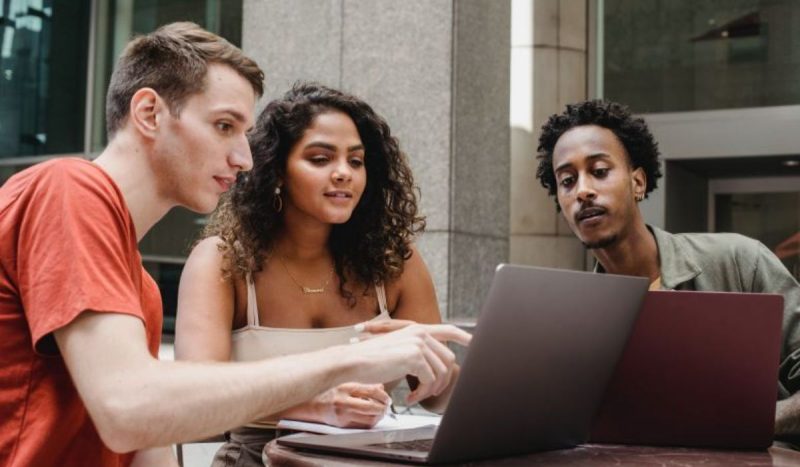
207, 251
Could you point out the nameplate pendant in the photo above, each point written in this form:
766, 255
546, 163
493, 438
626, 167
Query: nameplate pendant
309, 290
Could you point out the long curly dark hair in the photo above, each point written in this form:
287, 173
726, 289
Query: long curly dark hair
632, 132
372, 246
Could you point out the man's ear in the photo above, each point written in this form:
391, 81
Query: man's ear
639, 183
145, 111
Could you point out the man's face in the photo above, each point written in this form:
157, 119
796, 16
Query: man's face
596, 186
198, 153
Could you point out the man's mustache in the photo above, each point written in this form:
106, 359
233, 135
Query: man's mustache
589, 209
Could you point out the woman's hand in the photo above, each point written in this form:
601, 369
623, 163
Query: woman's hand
353, 405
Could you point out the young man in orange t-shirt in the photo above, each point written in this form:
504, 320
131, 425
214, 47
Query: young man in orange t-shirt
80, 319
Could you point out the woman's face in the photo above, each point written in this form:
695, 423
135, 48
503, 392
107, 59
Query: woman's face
325, 173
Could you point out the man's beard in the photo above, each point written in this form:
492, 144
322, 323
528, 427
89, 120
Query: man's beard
602, 243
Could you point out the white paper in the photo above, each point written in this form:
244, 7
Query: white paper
396, 422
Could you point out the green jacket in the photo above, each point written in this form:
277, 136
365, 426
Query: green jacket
727, 262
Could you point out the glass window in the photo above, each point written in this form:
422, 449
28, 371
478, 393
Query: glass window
772, 218
173, 235
167, 275
43, 76
6, 171
679, 55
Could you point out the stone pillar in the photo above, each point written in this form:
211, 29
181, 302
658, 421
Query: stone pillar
439, 73
548, 70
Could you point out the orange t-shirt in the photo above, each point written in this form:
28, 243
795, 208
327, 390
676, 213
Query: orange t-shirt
67, 245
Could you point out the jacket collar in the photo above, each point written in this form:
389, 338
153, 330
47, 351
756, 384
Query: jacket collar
677, 263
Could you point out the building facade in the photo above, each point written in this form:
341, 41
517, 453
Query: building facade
465, 86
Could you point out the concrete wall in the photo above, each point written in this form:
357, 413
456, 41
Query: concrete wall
548, 71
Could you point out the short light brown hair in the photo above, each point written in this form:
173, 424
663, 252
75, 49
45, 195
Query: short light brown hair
173, 61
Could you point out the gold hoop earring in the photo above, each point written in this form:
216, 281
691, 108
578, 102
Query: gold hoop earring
277, 202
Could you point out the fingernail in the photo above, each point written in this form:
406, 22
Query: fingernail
359, 328
354, 340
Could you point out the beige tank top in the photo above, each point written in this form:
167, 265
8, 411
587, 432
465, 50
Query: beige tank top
256, 342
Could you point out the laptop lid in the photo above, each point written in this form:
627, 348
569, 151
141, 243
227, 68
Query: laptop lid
700, 369
544, 348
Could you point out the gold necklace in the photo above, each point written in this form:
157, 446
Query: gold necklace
303, 288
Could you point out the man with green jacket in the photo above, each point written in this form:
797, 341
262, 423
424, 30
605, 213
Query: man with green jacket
600, 162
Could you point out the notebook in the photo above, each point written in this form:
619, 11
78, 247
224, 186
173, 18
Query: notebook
388, 422
544, 347
701, 369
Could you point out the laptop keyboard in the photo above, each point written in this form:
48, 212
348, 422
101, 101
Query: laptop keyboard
413, 445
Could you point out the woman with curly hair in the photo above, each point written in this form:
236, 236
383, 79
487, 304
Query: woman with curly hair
315, 239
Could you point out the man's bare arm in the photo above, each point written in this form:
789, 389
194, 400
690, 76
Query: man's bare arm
138, 402
162, 457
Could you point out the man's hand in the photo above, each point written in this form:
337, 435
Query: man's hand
353, 405
397, 346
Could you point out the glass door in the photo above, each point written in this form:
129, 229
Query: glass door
767, 209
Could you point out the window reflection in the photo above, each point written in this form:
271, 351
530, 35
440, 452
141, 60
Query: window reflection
42, 76
679, 55
167, 275
772, 218
6, 171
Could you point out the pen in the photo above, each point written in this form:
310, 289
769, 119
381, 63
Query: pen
390, 412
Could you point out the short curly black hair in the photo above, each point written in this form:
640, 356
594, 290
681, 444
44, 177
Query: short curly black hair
632, 132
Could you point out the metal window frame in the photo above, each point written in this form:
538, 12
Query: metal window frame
30, 160
90, 79
163, 259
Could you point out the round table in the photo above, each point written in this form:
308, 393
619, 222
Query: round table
590, 454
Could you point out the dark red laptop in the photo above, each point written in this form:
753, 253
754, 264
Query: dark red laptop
700, 369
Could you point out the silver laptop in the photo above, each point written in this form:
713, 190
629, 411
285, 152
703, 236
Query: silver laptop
543, 351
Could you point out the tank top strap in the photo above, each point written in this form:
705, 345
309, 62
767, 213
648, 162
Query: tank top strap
252, 306
380, 291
